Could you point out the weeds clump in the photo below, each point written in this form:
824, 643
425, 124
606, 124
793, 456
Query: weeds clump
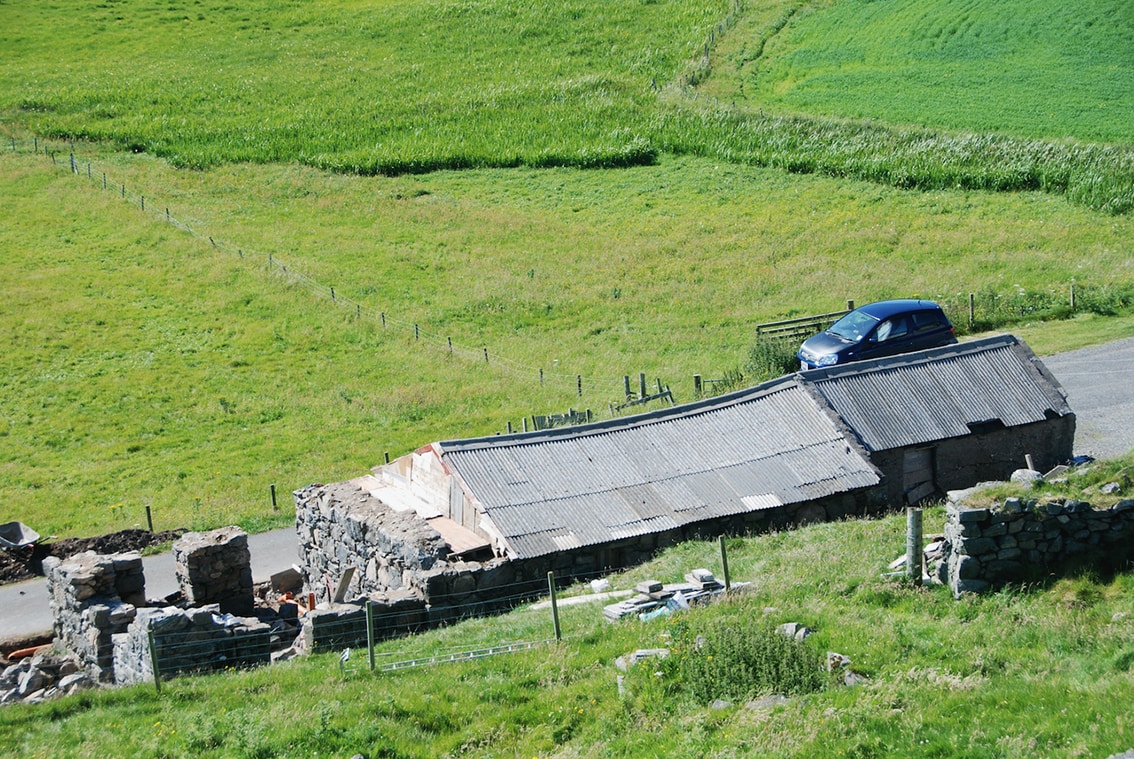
770, 358
738, 658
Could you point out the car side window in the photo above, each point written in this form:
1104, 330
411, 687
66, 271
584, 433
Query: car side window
893, 327
924, 320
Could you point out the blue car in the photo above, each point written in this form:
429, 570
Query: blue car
885, 328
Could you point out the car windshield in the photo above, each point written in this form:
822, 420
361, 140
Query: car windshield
853, 326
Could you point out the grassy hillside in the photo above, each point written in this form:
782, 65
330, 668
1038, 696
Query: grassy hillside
391, 88
1043, 69
401, 85
433, 163
143, 366
1037, 671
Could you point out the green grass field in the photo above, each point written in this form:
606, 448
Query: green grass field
392, 88
143, 366
580, 188
1043, 69
1037, 671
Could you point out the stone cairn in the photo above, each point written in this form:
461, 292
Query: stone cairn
94, 597
215, 568
1013, 541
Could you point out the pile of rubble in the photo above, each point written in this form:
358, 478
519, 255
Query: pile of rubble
654, 599
40, 674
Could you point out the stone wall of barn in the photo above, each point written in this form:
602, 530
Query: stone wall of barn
398, 561
1020, 540
989, 454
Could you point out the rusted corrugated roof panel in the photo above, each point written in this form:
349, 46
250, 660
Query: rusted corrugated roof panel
594, 484
935, 395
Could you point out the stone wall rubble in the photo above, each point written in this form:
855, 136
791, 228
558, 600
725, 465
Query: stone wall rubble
42, 676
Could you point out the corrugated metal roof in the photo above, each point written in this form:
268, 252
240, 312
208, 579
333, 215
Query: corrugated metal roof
759, 448
935, 395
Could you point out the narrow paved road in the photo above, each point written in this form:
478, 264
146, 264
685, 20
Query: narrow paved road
1100, 388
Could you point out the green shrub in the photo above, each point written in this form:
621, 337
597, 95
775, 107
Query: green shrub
739, 658
771, 357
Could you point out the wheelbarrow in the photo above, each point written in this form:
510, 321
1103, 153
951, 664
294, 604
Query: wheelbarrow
17, 535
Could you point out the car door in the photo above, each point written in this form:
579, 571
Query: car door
890, 337
930, 330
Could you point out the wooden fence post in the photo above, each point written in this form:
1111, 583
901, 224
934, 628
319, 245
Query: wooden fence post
914, 549
724, 564
554, 606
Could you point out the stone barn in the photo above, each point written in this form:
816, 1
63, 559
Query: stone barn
818, 445
948, 418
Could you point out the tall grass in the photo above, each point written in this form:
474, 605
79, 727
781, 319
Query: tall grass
1097, 176
396, 88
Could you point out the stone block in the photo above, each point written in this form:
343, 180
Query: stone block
975, 547
994, 530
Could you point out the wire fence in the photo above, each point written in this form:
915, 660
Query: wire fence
202, 640
984, 310
556, 380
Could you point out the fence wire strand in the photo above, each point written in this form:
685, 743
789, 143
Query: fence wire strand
560, 380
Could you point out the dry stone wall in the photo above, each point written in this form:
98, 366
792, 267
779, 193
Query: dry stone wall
215, 567
188, 640
103, 620
94, 597
1022, 539
398, 562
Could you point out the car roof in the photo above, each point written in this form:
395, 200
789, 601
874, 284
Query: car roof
886, 308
